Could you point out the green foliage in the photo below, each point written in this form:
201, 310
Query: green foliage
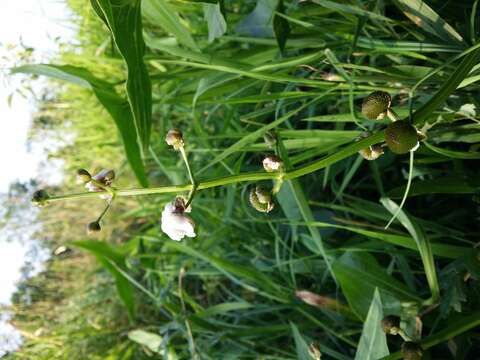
296, 73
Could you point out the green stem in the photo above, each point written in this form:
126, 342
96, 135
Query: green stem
190, 175
245, 177
392, 115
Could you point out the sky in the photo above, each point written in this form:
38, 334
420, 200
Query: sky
34, 23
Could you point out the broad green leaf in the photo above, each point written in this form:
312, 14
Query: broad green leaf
359, 274
281, 27
426, 18
112, 260
423, 244
300, 344
160, 13
116, 106
153, 342
259, 23
373, 342
125, 24
217, 26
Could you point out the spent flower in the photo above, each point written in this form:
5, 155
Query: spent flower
175, 223
272, 163
101, 180
175, 138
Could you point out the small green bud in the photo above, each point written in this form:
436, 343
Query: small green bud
401, 137
270, 139
93, 227
261, 200
83, 176
411, 351
272, 163
174, 138
40, 198
376, 104
391, 324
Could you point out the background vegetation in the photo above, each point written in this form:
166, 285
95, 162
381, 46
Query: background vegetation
320, 269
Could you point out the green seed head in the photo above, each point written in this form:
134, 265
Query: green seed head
261, 200
40, 198
391, 324
411, 351
375, 105
401, 137
372, 152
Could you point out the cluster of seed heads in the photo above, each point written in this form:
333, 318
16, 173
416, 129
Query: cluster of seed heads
410, 349
400, 136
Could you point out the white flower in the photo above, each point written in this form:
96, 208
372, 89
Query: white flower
175, 223
105, 176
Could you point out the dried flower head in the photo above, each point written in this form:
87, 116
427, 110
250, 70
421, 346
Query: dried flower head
272, 163
105, 177
391, 324
175, 223
174, 138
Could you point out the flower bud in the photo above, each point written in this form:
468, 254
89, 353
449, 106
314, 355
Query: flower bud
174, 138
261, 200
401, 137
411, 351
272, 163
40, 198
391, 324
83, 176
314, 351
93, 227
372, 152
376, 104
270, 139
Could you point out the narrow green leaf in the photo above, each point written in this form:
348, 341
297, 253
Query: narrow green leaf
422, 242
426, 18
124, 21
449, 86
300, 344
373, 342
160, 13
117, 107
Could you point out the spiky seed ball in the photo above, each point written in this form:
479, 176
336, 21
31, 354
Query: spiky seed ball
391, 324
401, 137
375, 105
411, 351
